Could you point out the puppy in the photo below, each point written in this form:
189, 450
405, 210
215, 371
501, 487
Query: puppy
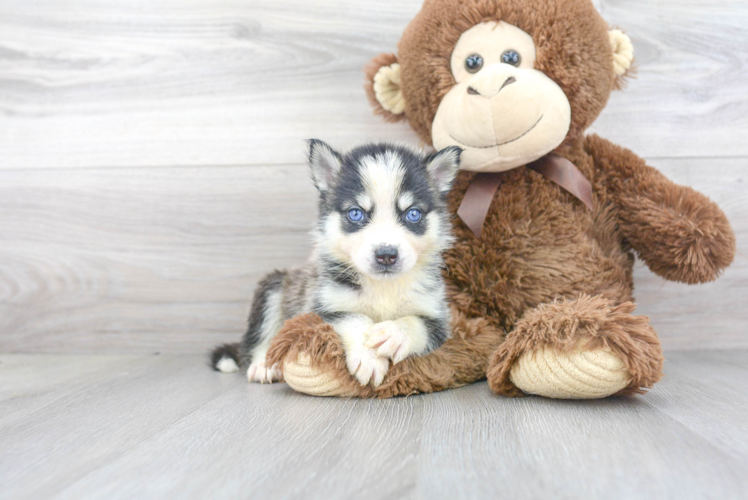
375, 270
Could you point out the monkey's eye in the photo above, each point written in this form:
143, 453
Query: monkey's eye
473, 63
355, 214
511, 57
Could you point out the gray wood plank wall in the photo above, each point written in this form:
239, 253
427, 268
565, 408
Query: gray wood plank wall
152, 167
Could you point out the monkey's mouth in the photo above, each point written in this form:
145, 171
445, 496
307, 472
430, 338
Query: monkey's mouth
461, 143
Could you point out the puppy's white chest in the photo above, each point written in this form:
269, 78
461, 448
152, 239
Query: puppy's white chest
385, 303
389, 300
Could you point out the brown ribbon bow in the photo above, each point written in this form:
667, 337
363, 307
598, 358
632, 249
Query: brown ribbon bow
479, 195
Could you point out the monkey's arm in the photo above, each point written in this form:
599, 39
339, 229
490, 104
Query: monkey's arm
313, 360
679, 233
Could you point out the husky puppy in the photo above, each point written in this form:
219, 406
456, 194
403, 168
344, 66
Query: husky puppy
375, 270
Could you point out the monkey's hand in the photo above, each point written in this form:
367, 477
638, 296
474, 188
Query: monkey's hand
678, 232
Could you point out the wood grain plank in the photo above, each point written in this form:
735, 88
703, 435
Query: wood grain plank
167, 426
673, 442
245, 437
276, 444
32, 382
689, 88
704, 391
144, 260
711, 315
200, 83
110, 257
224, 82
478, 446
27, 375
91, 423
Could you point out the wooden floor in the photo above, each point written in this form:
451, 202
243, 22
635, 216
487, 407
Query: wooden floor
166, 426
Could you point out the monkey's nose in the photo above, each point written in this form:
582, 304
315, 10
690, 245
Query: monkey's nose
508, 81
490, 90
386, 255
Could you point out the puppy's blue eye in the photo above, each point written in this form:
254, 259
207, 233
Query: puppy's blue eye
413, 215
356, 215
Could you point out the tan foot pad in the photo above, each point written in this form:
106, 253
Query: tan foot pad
576, 375
302, 377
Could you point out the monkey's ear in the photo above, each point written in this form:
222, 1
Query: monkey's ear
383, 87
443, 166
325, 163
623, 55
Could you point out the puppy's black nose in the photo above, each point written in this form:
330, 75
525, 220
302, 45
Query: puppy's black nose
386, 255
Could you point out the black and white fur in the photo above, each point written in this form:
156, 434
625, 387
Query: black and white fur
376, 280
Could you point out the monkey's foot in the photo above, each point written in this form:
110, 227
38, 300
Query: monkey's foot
302, 377
582, 374
586, 348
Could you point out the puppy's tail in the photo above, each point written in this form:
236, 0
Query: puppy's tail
225, 358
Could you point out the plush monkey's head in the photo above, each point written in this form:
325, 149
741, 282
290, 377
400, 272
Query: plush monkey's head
506, 80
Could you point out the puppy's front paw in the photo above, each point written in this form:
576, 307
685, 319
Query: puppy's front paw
389, 340
258, 372
364, 364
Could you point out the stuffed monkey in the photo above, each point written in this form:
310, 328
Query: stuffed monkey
548, 220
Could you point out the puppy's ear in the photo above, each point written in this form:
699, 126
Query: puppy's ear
325, 164
383, 87
443, 166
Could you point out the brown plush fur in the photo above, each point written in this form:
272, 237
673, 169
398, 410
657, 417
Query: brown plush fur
677, 231
461, 360
589, 322
572, 42
370, 70
546, 269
